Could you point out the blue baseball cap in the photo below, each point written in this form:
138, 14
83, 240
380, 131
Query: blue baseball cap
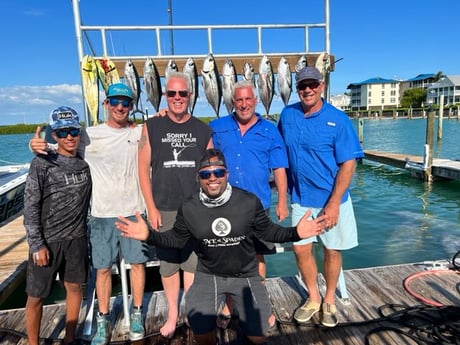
64, 117
119, 89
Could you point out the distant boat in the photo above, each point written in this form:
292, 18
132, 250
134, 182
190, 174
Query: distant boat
12, 186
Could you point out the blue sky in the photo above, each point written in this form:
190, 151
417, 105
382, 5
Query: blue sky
39, 67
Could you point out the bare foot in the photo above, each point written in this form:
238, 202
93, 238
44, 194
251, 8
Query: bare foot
168, 329
272, 320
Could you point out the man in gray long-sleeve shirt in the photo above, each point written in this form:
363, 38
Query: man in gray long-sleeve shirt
56, 200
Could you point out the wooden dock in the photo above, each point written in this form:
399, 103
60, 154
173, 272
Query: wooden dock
440, 168
376, 299
373, 294
13, 256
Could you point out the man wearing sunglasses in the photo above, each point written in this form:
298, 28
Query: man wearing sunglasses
222, 221
253, 148
56, 201
111, 152
322, 148
169, 152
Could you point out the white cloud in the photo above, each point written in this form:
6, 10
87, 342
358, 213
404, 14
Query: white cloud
32, 104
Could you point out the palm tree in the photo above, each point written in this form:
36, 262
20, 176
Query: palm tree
439, 76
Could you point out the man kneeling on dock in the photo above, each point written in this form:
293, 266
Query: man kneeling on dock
223, 221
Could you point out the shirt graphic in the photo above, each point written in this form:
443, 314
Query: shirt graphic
179, 142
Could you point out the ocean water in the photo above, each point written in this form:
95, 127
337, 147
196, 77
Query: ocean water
400, 219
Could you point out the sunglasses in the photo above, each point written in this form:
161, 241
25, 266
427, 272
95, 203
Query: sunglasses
312, 85
206, 174
64, 132
173, 93
114, 102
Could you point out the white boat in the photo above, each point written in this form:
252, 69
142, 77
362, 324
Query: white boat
12, 186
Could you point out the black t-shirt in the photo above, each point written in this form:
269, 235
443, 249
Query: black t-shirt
176, 151
224, 235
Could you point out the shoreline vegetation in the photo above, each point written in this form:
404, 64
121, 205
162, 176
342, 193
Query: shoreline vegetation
24, 128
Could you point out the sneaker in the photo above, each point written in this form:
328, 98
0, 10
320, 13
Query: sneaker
136, 327
306, 311
102, 335
329, 315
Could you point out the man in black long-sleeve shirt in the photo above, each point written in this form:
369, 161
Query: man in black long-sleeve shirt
223, 221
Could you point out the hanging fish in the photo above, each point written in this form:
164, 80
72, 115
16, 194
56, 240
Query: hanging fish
108, 73
133, 81
228, 80
248, 73
171, 67
323, 64
211, 83
301, 63
152, 83
266, 83
284, 80
190, 71
90, 87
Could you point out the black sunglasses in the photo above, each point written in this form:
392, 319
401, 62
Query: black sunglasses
312, 85
172, 93
114, 102
64, 132
206, 174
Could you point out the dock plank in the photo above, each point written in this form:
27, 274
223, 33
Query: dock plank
369, 290
441, 167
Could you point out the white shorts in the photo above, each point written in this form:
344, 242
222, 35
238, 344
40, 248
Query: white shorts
341, 237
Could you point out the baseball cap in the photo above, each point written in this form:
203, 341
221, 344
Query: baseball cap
308, 72
205, 160
64, 117
119, 89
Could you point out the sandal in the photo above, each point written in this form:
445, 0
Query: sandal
222, 321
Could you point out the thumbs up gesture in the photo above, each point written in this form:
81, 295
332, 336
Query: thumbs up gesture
38, 144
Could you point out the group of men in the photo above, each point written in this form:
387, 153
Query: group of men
203, 185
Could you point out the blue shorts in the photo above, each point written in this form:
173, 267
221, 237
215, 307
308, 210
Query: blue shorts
106, 243
341, 237
249, 296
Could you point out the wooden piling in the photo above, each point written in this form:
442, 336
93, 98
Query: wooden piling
360, 131
441, 115
429, 141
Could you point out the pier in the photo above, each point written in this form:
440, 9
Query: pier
440, 168
383, 305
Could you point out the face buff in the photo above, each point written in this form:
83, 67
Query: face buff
208, 202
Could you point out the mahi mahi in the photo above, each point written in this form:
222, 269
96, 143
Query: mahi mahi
284, 80
133, 81
266, 83
192, 75
211, 83
228, 80
152, 83
90, 87
108, 73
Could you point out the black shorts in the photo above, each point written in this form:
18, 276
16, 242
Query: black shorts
264, 247
69, 258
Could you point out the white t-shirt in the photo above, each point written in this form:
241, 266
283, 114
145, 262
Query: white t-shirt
112, 157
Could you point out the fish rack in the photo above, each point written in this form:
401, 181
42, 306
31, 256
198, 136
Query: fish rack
239, 59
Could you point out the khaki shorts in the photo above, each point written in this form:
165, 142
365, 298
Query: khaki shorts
171, 259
